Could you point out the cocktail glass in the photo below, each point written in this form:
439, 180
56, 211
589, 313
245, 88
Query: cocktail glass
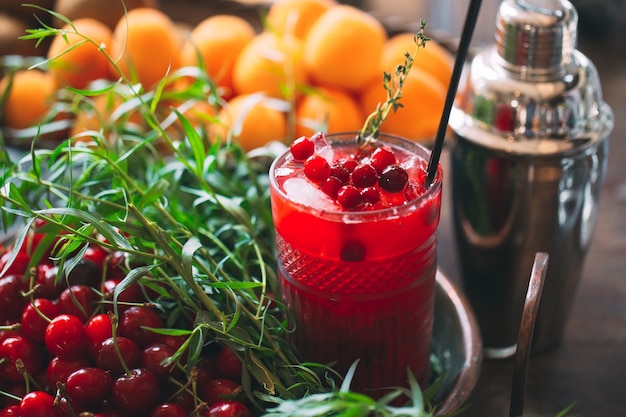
360, 284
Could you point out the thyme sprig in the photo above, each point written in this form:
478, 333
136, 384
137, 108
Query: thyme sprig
393, 87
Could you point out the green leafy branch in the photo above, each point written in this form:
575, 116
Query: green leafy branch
393, 88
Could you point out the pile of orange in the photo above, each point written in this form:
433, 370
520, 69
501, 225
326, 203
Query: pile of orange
315, 65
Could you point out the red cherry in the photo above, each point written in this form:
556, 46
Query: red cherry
168, 410
220, 389
136, 392
98, 329
12, 300
381, 158
59, 369
228, 409
36, 316
37, 404
46, 279
153, 357
88, 386
12, 393
65, 337
172, 340
132, 294
349, 197
108, 357
302, 148
10, 411
228, 364
79, 300
364, 175
18, 266
9, 328
316, 168
135, 323
20, 347
206, 371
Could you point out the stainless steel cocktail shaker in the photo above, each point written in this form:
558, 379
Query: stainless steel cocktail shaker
528, 161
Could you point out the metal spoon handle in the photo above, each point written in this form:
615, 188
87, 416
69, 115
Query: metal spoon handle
525, 335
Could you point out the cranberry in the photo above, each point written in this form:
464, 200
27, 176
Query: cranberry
228, 409
370, 195
352, 252
364, 175
349, 197
88, 386
349, 163
135, 324
37, 404
331, 186
36, 316
340, 171
393, 179
136, 392
108, 357
302, 148
316, 168
65, 337
168, 410
381, 158
20, 347
79, 300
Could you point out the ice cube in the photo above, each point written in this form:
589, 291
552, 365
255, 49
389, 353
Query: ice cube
303, 191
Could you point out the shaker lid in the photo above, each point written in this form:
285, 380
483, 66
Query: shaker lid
536, 35
532, 92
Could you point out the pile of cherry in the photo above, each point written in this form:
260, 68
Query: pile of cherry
64, 353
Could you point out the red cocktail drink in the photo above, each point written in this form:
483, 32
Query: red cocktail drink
360, 281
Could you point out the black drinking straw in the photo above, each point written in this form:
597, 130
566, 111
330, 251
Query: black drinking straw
461, 56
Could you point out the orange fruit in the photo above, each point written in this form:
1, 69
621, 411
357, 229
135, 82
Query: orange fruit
434, 58
423, 98
217, 41
329, 109
29, 98
270, 64
105, 11
200, 114
146, 45
295, 17
75, 61
343, 48
250, 121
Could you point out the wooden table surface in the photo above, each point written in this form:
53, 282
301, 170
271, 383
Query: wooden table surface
588, 369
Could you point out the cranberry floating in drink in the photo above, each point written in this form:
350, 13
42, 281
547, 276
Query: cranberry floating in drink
356, 234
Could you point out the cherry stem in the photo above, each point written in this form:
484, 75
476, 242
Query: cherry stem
116, 345
461, 56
